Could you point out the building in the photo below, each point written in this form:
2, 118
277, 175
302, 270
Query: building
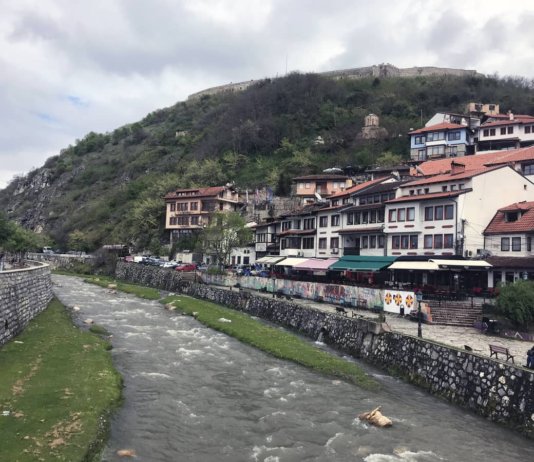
506, 131
508, 243
310, 188
267, 239
189, 210
371, 129
446, 214
445, 139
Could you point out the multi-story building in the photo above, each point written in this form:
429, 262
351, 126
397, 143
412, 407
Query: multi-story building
508, 241
267, 239
446, 214
298, 232
310, 188
505, 131
189, 210
441, 140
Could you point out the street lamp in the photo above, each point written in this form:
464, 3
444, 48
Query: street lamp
274, 282
419, 298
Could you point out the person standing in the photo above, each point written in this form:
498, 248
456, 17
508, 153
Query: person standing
530, 358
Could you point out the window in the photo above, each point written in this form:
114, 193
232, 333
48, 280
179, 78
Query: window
334, 242
428, 240
516, 244
421, 154
381, 242
435, 150
435, 136
365, 218
492, 132
322, 243
183, 221
505, 244
392, 216
449, 212
427, 190
429, 213
173, 206
438, 241
453, 187
296, 224
510, 217
510, 130
461, 186
412, 192
194, 220
350, 218
454, 135
401, 215
453, 151
395, 242
444, 188
307, 185
438, 212
308, 243
172, 221
380, 216
286, 225
503, 131
486, 132
414, 241
365, 242
182, 206
372, 242
528, 169
323, 222
405, 240
419, 140
410, 214
334, 220
309, 223
529, 244
193, 206
527, 129
448, 241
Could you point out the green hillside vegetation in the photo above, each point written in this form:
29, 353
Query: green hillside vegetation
108, 188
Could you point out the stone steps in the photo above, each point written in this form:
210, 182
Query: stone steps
455, 313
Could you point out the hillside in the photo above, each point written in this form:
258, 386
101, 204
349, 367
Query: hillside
109, 187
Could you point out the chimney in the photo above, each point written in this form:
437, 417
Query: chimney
457, 167
510, 115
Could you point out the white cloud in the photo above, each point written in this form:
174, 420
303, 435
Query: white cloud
73, 67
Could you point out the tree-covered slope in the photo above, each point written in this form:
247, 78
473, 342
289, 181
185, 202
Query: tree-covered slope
109, 187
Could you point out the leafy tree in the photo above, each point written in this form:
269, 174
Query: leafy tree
78, 241
388, 159
516, 302
225, 232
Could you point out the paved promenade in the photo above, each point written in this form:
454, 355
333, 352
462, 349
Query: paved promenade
449, 335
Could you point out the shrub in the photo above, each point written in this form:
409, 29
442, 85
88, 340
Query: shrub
516, 302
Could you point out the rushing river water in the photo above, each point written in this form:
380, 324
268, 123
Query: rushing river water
192, 394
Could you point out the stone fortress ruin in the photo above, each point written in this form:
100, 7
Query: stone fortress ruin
375, 71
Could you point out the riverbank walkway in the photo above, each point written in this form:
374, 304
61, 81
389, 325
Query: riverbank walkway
454, 336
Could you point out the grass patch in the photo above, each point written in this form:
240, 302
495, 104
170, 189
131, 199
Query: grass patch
276, 342
57, 386
147, 293
99, 330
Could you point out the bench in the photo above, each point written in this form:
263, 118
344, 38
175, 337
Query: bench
341, 310
496, 349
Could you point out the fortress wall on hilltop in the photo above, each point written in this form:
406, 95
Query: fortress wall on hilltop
380, 70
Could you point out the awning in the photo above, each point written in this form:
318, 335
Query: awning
361, 263
291, 261
315, 264
444, 264
269, 260
414, 265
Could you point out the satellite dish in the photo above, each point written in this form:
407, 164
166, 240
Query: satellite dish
318, 197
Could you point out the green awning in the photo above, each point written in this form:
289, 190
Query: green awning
361, 263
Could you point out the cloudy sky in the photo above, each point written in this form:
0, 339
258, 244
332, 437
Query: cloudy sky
68, 67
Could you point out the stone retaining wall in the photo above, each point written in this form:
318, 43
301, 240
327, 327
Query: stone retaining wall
24, 293
499, 391
61, 261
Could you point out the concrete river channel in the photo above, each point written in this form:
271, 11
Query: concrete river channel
193, 394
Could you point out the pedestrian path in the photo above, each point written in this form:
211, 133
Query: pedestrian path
454, 336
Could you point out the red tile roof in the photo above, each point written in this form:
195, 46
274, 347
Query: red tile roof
435, 167
359, 187
452, 176
518, 119
437, 127
423, 197
199, 192
499, 225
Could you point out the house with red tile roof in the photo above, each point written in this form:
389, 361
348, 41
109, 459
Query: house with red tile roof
446, 214
505, 131
189, 210
309, 187
508, 241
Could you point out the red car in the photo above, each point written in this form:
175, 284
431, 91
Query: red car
187, 267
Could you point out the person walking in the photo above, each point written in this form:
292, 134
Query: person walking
530, 358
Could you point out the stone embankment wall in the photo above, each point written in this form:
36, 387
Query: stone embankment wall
63, 261
499, 391
24, 293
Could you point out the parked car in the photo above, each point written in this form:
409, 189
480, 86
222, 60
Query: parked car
186, 267
202, 267
170, 264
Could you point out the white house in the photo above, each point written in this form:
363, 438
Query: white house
506, 131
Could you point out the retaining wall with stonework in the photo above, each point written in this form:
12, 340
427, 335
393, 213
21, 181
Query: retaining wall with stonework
24, 293
499, 391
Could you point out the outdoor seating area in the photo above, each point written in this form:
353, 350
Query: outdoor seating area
495, 350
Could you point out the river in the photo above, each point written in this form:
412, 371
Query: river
193, 394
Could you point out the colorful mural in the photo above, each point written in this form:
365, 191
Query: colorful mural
394, 300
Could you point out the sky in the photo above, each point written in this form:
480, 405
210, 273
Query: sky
68, 67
